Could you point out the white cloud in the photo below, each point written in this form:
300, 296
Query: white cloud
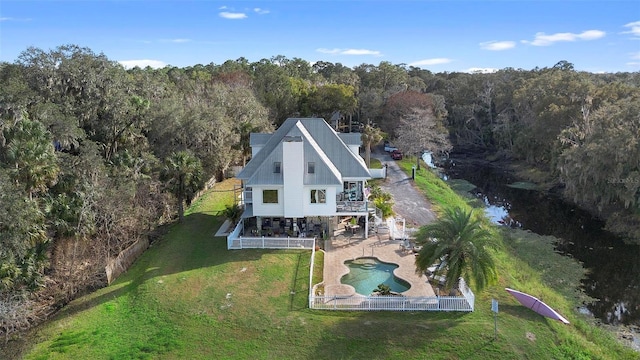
349, 52
435, 61
636, 55
328, 51
477, 70
260, 11
497, 45
592, 35
177, 41
634, 29
130, 64
361, 52
634, 64
232, 15
5, 18
542, 39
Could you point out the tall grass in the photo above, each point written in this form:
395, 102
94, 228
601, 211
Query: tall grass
528, 262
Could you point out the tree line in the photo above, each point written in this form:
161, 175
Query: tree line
94, 156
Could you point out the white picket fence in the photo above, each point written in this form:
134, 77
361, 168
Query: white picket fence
265, 242
235, 241
357, 302
390, 303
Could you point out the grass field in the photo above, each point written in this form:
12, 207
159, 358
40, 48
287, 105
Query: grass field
188, 297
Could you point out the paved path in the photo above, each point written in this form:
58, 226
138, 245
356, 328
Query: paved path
343, 248
409, 202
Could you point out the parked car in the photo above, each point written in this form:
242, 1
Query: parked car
389, 148
396, 155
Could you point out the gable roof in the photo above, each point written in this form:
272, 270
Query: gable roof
257, 139
322, 145
351, 138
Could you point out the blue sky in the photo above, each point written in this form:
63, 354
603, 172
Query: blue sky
596, 36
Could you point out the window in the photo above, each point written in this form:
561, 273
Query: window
277, 167
269, 196
318, 196
311, 168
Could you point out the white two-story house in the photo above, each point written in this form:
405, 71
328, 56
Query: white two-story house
301, 181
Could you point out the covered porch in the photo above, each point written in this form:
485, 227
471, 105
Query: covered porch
312, 226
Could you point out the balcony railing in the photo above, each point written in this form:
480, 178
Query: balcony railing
351, 206
248, 197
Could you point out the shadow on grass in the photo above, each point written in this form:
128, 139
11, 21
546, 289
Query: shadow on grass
387, 335
300, 284
184, 247
523, 312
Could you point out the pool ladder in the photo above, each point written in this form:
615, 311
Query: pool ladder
363, 252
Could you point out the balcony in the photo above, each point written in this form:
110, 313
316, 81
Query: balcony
248, 196
351, 206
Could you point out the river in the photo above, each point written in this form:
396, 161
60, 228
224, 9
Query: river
613, 266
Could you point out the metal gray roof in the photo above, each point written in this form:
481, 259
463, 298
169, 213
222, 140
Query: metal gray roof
322, 145
258, 139
351, 138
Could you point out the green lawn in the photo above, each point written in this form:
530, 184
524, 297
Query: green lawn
188, 297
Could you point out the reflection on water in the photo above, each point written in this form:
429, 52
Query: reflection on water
614, 267
497, 210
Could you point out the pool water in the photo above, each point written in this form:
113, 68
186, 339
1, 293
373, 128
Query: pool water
365, 274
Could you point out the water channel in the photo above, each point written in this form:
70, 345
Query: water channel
613, 266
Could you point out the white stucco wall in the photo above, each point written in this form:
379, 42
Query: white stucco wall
354, 149
327, 209
261, 209
293, 168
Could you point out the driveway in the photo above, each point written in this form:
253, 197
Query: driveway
409, 202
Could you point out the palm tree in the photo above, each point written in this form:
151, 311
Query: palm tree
183, 175
370, 135
463, 243
232, 212
32, 157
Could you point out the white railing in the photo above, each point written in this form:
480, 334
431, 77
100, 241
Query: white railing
266, 242
378, 173
351, 206
312, 262
354, 302
234, 234
464, 303
390, 303
248, 197
466, 292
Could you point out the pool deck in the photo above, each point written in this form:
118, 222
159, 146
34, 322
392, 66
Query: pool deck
345, 246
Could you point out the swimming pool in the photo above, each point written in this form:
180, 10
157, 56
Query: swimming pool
365, 274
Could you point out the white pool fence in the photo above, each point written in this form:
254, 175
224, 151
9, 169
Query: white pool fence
357, 302
464, 303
